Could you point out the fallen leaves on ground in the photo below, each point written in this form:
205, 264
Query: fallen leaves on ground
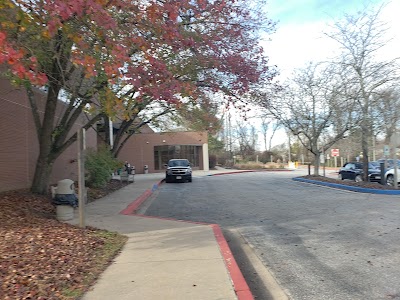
362, 184
42, 258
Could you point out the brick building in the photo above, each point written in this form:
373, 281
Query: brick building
19, 146
155, 149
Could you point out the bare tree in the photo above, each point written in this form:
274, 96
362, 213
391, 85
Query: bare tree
275, 126
386, 113
268, 124
265, 121
361, 37
311, 107
246, 139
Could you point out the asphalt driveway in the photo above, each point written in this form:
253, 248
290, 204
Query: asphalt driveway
318, 242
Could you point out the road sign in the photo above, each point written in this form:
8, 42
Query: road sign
386, 150
334, 152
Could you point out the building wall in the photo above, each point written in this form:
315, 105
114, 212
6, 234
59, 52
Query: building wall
139, 150
19, 146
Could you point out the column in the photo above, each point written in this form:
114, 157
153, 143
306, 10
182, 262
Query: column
206, 165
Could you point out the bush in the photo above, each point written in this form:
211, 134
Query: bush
274, 166
99, 166
248, 166
212, 160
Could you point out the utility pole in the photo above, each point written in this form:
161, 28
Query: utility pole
81, 175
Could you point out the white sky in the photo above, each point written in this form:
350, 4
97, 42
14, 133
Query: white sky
299, 36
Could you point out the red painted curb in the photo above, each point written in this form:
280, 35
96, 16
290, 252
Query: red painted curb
240, 286
238, 172
134, 206
251, 171
239, 283
131, 208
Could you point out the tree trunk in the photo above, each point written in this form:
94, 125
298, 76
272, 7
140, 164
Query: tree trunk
316, 163
365, 148
46, 158
41, 179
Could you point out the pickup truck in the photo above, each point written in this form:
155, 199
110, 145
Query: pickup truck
178, 170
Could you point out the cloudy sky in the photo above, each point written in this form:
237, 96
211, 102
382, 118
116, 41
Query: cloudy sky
299, 36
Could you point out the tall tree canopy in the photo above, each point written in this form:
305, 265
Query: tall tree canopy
313, 109
115, 57
361, 38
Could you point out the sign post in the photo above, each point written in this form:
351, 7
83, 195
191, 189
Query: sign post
386, 151
335, 154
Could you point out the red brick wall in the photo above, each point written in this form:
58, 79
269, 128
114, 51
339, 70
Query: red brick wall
139, 150
18, 141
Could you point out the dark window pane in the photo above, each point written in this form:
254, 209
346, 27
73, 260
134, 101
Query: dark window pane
162, 154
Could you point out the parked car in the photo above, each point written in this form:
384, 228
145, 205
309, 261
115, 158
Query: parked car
389, 172
354, 171
389, 175
178, 170
374, 171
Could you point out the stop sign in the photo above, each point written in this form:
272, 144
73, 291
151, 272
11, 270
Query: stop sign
334, 152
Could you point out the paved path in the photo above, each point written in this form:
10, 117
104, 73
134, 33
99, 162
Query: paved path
163, 259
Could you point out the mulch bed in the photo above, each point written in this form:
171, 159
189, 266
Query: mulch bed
362, 184
42, 258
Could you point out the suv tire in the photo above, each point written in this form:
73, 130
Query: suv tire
358, 178
390, 180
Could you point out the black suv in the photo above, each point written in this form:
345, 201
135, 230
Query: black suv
178, 170
354, 170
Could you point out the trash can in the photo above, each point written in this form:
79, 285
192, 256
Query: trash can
65, 199
146, 169
64, 212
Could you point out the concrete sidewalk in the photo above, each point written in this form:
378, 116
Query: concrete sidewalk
163, 259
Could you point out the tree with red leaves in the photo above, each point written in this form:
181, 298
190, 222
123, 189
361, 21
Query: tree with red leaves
115, 57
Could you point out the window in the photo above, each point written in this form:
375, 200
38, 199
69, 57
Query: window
349, 166
162, 154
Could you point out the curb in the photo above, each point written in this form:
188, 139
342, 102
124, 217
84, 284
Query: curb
251, 171
240, 285
348, 187
228, 173
134, 206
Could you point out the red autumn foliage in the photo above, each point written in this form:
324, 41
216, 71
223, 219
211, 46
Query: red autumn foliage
119, 57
